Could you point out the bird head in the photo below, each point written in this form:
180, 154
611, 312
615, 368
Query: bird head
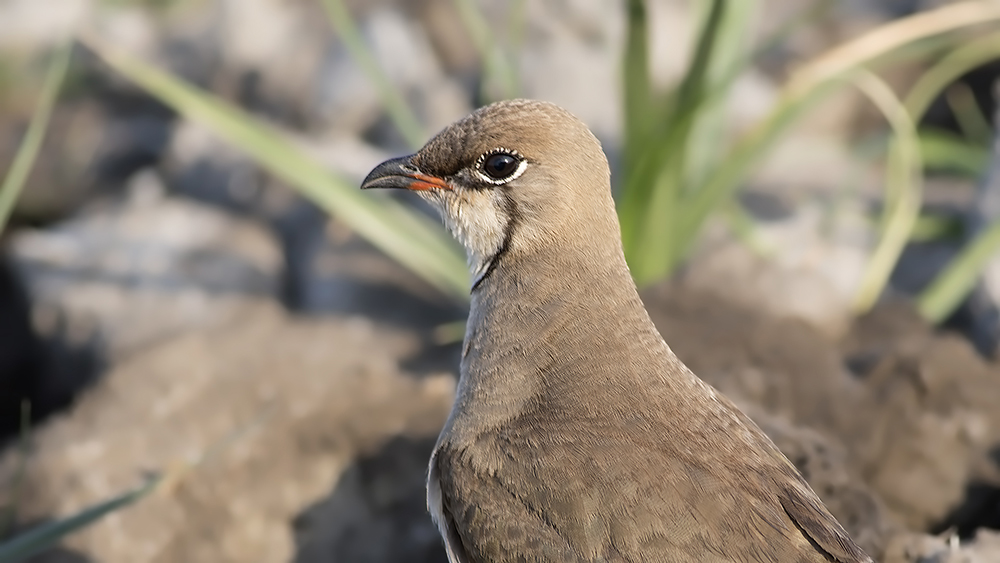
513, 177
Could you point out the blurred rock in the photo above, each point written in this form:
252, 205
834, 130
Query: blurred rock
20, 355
931, 452
27, 25
328, 268
571, 55
804, 262
826, 465
904, 413
406, 56
129, 272
984, 548
90, 147
377, 513
280, 406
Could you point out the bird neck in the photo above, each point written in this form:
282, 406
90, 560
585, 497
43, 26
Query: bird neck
550, 323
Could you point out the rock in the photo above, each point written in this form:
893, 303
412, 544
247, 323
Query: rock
129, 272
280, 406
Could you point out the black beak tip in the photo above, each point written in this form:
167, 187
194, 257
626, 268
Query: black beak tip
390, 174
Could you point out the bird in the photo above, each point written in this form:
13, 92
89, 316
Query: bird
576, 433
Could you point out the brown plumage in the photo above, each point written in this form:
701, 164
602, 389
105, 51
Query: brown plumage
576, 434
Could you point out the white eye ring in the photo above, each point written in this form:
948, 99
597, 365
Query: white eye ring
521, 165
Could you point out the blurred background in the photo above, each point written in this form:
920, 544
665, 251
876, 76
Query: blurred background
214, 347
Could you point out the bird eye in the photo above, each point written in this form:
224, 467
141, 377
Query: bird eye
501, 166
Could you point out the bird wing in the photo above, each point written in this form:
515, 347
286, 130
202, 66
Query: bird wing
818, 525
544, 497
442, 516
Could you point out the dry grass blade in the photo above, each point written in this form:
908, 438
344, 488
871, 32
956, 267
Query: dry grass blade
411, 239
948, 69
28, 151
904, 190
818, 79
891, 37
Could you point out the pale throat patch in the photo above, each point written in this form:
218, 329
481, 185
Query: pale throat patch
478, 220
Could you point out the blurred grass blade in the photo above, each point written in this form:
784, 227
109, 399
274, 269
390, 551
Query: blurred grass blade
952, 285
709, 131
498, 69
650, 199
965, 108
47, 535
892, 36
943, 151
16, 488
930, 228
637, 88
19, 169
413, 240
904, 190
818, 79
952, 66
399, 112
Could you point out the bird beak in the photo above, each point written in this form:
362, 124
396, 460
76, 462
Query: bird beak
400, 173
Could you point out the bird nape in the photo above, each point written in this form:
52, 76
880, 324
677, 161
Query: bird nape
576, 433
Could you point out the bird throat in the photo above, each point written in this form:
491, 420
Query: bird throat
482, 221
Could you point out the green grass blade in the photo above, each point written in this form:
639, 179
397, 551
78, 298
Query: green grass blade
956, 63
649, 200
413, 240
637, 90
498, 69
904, 190
47, 535
808, 14
400, 113
817, 80
17, 175
16, 485
965, 108
952, 285
930, 228
726, 178
709, 130
943, 151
